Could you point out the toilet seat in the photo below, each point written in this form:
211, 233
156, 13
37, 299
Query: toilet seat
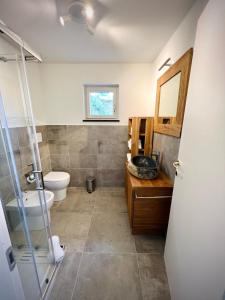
56, 176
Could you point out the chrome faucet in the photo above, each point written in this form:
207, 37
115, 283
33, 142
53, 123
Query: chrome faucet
33, 175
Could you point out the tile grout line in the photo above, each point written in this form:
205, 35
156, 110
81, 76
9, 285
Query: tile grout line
139, 275
82, 255
76, 279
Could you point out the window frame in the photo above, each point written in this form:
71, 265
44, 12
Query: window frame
88, 88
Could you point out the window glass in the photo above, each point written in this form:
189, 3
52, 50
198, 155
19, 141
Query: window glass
101, 101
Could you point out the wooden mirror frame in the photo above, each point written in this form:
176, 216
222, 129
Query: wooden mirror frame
174, 127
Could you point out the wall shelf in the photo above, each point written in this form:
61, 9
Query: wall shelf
140, 129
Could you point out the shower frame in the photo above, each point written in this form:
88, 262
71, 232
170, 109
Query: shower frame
37, 168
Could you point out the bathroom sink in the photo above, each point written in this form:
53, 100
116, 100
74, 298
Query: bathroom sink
33, 210
143, 167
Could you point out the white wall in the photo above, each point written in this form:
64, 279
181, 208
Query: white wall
63, 89
36, 91
10, 88
195, 246
182, 40
62, 84
57, 89
9, 84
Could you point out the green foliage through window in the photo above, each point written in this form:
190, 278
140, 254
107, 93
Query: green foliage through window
101, 103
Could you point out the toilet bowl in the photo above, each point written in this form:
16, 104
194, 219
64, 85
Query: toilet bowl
57, 182
33, 210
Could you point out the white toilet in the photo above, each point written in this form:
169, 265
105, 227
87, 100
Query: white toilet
57, 182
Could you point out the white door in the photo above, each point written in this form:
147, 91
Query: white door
195, 247
10, 284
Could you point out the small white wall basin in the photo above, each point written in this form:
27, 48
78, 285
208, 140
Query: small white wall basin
33, 210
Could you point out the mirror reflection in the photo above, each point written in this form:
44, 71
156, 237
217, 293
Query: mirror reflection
169, 95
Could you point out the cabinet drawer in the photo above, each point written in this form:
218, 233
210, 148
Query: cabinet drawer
155, 210
151, 213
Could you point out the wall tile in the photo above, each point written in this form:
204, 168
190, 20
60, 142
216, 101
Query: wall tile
56, 132
108, 132
112, 146
111, 177
43, 131
23, 157
58, 147
111, 161
83, 161
60, 162
168, 146
14, 134
79, 176
26, 156
4, 168
77, 133
46, 165
6, 190
86, 147
44, 149
23, 136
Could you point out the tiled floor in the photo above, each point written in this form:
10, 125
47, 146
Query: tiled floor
103, 260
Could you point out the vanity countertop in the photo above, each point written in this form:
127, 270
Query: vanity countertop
161, 181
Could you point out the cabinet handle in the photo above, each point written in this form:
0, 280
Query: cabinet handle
152, 197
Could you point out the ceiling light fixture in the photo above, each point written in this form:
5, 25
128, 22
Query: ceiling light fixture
85, 12
89, 12
61, 20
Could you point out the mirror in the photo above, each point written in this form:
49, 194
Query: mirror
171, 96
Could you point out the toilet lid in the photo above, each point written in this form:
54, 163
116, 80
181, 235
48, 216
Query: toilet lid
56, 176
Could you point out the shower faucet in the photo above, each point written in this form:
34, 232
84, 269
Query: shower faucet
33, 176
30, 177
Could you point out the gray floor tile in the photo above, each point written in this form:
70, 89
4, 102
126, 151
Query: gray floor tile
77, 225
110, 204
108, 277
110, 268
72, 228
73, 244
149, 244
110, 191
66, 277
153, 277
110, 232
76, 202
58, 223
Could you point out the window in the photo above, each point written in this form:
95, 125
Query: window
101, 102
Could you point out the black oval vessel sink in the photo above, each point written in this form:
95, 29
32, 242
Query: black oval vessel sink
143, 167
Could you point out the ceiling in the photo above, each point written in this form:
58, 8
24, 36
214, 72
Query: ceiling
130, 31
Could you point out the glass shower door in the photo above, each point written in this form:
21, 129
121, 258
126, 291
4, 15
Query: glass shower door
10, 192
40, 237
20, 155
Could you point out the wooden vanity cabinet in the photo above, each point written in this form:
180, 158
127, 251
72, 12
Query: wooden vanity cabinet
148, 203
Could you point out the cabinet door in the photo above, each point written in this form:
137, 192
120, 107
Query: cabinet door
151, 214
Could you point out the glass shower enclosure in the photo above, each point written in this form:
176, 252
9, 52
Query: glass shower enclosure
19, 159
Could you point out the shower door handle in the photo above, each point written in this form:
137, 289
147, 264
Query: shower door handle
10, 258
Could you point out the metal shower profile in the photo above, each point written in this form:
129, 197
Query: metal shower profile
17, 39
